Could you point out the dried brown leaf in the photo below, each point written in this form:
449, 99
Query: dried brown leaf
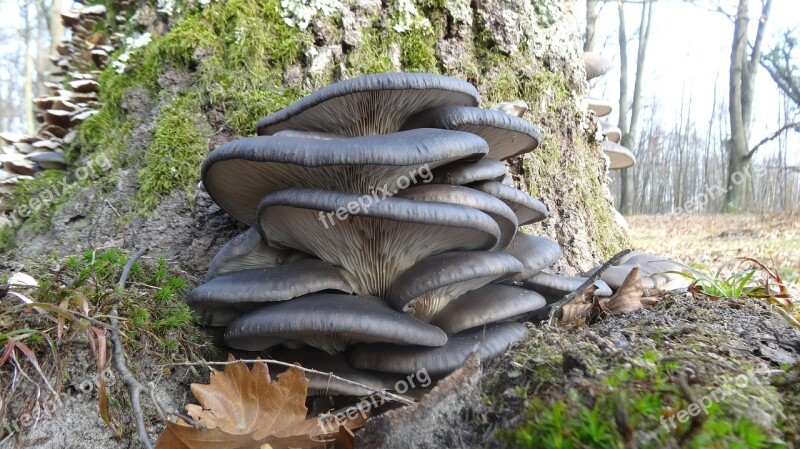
245, 409
628, 298
579, 310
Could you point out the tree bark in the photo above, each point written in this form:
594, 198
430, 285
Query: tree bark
630, 127
590, 39
741, 93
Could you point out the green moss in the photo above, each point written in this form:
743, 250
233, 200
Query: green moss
372, 56
418, 50
36, 200
643, 397
180, 142
237, 51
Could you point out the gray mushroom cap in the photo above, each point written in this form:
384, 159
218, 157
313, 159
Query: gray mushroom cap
374, 243
238, 174
460, 173
336, 364
443, 193
506, 134
596, 64
248, 250
308, 134
535, 253
329, 322
49, 160
249, 289
612, 133
554, 286
370, 104
516, 107
527, 209
653, 270
429, 285
490, 303
600, 107
488, 341
619, 156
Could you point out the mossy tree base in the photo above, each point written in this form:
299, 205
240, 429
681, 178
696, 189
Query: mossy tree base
211, 72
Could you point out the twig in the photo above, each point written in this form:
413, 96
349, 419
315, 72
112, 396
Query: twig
135, 388
384, 394
555, 309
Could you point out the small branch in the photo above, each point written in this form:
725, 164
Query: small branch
555, 309
384, 394
772, 137
135, 388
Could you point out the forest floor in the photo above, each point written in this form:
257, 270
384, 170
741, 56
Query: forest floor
688, 372
707, 241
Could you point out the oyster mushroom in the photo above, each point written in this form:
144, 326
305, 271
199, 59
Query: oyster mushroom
226, 296
374, 243
535, 253
488, 341
506, 134
329, 322
487, 304
460, 173
619, 156
502, 214
247, 250
429, 285
528, 210
370, 104
554, 286
596, 64
600, 107
238, 174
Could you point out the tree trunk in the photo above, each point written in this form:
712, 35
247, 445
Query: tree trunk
742, 74
535, 57
28, 89
590, 39
630, 128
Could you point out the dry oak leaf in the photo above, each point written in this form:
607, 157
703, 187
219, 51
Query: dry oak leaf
579, 310
628, 298
245, 409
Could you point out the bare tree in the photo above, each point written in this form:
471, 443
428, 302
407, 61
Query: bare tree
630, 125
745, 59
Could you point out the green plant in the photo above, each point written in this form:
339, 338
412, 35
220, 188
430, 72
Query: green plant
741, 278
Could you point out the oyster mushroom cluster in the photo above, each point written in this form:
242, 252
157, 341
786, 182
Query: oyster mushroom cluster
619, 157
384, 230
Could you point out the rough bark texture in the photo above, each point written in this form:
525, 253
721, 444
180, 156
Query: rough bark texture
508, 49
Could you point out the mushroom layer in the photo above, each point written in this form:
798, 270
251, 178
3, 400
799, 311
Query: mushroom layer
487, 341
506, 134
374, 243
429, 285
371, 104
247, 250
249, 289
238, 174
527, 209
487, 304
327, 322
535, 253
619, 156
502, 214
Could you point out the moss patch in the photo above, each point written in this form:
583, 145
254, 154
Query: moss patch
674, 376
180, 142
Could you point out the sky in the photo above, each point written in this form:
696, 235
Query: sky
688, 51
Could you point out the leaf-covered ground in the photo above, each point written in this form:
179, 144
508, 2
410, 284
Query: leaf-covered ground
706, 241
